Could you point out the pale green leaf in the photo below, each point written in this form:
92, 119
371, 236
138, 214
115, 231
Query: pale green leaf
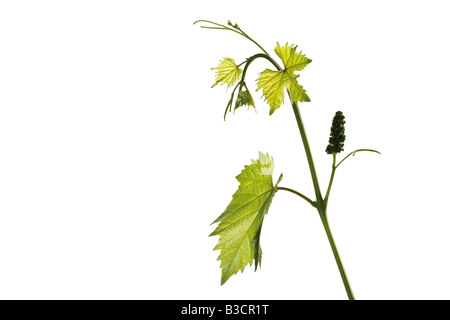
240, 224
292, 60
273, 83
227, 72
297, 92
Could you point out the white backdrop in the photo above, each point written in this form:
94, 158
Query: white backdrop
114, 156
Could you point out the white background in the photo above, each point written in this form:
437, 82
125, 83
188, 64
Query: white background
114, 156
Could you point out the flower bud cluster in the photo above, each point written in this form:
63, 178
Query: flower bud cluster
337, 135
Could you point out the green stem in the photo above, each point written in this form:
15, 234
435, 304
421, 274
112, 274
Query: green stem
321, 204
333, 170
348, 289
258, 55
299, 194
312, 169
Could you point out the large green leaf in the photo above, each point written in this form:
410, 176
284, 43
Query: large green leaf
227, 72
240, 224
273, 83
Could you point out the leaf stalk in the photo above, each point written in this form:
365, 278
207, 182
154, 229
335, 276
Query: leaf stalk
314, 204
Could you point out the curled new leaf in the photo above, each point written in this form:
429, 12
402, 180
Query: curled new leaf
241, 223
244, 98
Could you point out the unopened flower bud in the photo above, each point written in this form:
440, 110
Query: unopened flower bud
337, 134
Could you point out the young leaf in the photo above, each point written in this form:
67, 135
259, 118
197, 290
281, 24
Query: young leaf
227, 72
292, 60
244, 98
273, 83
240, 224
